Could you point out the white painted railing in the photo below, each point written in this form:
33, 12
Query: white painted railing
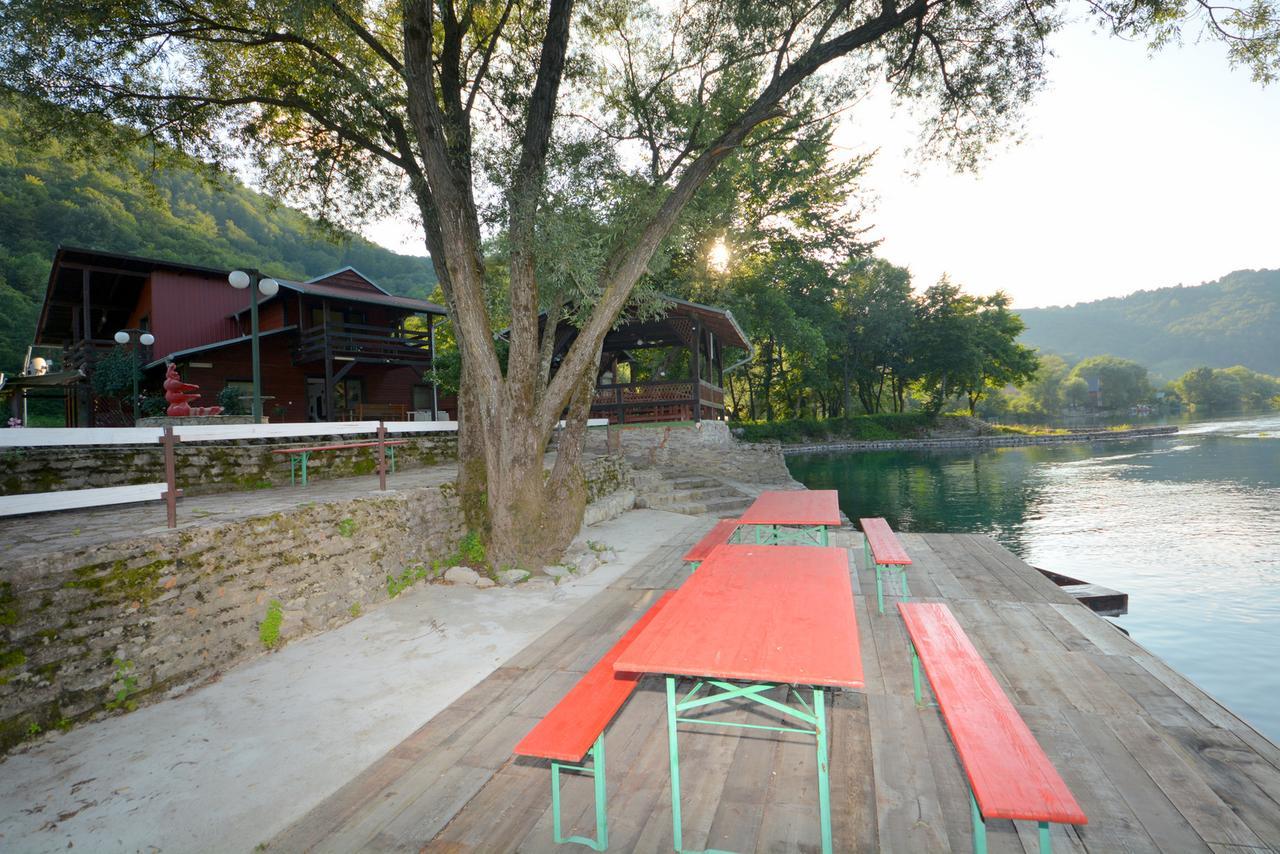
76, 499
37, 437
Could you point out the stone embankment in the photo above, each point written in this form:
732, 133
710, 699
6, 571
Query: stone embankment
997, 441
87, 629
707, 449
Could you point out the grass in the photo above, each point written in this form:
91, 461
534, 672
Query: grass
867, 428
269, 628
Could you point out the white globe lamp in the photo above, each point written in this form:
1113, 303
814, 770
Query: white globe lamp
269, 287
239, 279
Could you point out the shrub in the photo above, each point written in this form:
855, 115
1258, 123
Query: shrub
881, 426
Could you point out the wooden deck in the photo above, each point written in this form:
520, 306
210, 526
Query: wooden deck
1156, 764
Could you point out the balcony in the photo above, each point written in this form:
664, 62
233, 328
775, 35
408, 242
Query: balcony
633, 403
382, 345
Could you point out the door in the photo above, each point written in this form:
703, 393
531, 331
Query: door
315, 400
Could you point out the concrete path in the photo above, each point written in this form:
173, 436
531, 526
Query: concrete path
231, 764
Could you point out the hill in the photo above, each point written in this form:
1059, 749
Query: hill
50, 196
1232, 321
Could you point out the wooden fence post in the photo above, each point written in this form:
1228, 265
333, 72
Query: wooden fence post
170, 477
382, 456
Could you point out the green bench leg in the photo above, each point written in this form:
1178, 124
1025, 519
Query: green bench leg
601, 842
293, 468
391, 450
306, 455
915, 676
979, 827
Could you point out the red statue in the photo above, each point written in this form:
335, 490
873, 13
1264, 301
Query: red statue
175, 391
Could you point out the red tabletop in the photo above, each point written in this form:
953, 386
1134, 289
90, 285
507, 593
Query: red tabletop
794, 507
781, 614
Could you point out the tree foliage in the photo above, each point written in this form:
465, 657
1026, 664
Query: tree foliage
1207, 389
1121, 383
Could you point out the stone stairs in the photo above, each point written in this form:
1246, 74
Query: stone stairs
692, 495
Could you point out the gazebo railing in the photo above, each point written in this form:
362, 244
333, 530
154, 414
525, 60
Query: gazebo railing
656, 401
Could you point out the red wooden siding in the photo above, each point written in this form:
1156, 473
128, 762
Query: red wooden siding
189, 310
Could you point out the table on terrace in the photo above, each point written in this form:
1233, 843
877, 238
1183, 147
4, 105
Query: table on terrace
750, 619
796, 516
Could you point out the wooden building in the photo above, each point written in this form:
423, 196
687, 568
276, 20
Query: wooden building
332, 348
665, 368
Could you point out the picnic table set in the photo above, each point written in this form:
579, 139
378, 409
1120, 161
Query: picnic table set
769, 605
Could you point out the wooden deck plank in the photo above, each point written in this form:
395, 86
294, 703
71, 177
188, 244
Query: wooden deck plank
908, 814
1157, 764
1211, 818
928, 563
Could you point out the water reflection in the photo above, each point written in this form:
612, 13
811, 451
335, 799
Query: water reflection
1189, 526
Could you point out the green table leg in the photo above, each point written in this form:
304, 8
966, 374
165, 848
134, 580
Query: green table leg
305, 456
1045, 845
814, 716
293, 468
672, 741
824, 783
391, 449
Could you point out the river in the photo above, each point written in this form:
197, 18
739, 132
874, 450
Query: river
1188, 526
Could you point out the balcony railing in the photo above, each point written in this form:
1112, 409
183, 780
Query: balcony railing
657, 401
381, 344
80, 355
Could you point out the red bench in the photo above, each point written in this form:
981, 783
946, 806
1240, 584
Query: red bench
884, 554
717, 536
1009, 774
575, 728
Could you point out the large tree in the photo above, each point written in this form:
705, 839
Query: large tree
497, 117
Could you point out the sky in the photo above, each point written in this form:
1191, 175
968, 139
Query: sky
1136, 171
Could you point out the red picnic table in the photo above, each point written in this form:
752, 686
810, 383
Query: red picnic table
797, 516
761, 615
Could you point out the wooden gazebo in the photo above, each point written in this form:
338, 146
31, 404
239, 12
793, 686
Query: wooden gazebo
687, 386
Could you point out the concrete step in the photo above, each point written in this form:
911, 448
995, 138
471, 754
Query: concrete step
728, 507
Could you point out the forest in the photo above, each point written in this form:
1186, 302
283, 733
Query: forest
1230, 321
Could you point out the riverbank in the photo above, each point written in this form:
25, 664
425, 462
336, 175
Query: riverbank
996, 441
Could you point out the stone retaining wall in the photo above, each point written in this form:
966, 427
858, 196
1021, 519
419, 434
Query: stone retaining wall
93, 629
1001, 441
705, 449
204, 467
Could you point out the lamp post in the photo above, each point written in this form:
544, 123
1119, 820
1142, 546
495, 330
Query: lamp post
241, 279
146, 339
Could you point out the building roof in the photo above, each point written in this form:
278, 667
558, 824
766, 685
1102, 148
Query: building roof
320, 289
216, 345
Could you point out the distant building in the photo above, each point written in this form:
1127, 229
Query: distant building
1095, 391
332, 348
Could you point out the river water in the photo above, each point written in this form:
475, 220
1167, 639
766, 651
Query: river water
1188, 526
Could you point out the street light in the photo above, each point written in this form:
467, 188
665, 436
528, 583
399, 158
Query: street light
146, 339
241, 279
